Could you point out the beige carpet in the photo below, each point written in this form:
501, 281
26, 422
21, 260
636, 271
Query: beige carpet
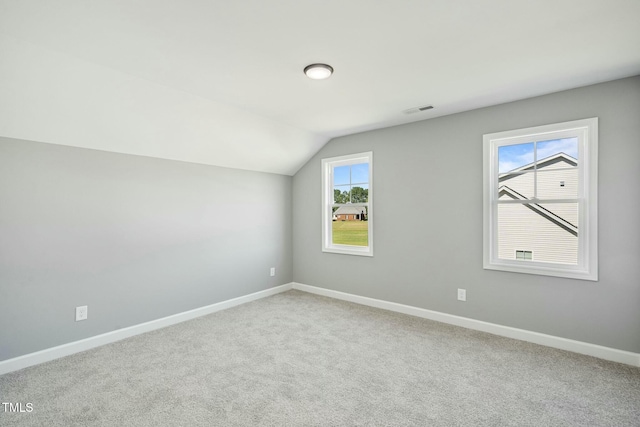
297, 359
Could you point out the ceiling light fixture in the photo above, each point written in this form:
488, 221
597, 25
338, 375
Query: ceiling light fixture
318, 71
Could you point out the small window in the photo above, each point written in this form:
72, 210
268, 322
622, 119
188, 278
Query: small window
524, 255
347, 197
524, 207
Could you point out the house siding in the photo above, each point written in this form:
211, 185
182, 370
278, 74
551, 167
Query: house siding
548, 241
535, 236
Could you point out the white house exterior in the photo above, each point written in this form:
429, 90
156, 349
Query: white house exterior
556, 178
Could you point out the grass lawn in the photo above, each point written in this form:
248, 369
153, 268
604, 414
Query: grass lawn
353, 233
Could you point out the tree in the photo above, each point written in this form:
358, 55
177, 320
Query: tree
359, 195
340, 197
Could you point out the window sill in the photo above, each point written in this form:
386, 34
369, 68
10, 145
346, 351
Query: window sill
349, 250
570, 272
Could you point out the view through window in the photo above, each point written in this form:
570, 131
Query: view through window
347, 204
350, 198
540, 200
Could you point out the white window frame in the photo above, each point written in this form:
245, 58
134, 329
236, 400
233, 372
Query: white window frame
586, 131
327, 204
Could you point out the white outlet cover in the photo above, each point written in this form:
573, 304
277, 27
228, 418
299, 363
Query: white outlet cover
273, 271
462, 294
82, 313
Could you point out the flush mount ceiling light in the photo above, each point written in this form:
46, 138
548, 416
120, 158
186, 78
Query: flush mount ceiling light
318, 71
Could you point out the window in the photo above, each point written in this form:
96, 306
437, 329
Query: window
524, 207
524, 255
347, 204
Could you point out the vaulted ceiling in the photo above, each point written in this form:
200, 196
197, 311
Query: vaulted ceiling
221, 82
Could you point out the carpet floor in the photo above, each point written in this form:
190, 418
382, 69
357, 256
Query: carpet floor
297, 359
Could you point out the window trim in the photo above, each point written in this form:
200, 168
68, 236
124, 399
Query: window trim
327, 203
587, 266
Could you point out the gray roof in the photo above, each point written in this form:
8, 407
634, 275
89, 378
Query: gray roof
349, 210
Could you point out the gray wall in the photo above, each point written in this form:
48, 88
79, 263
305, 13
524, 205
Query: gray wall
428, 221
134, 238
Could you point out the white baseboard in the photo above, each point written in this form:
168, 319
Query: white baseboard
57, 352
594, 350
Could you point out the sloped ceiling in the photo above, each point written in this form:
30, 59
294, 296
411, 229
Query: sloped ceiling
221, 83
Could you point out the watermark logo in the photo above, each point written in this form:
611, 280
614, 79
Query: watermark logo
16, 407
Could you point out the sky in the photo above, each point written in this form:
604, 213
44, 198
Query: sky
513, 156
351, 174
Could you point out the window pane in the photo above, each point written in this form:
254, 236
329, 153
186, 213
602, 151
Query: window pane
565, 214
516, 186
545, 230
350, 226
558, 184
342, 175
342, 194
512, 157
360, 173
360, 193
553, 147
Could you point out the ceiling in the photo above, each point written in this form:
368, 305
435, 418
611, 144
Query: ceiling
221, 83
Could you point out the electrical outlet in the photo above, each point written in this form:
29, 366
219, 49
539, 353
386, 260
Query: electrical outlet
81, 313
462, 294
273, 271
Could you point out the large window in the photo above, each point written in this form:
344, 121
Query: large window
540, 200
347, 204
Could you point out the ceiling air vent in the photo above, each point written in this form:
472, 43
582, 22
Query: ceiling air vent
418, 109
